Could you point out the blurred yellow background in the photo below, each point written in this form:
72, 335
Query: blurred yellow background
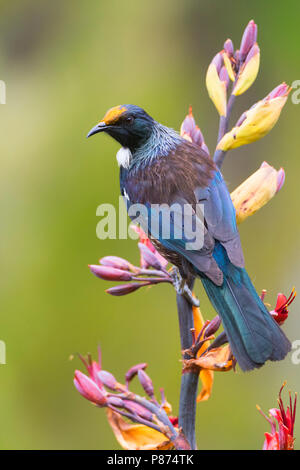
64, 64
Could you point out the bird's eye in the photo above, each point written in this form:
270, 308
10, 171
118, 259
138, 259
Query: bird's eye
129, 119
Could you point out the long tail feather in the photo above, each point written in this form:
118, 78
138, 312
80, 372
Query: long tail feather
253, 334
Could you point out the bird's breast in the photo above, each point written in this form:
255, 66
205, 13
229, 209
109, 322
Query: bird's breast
167, 177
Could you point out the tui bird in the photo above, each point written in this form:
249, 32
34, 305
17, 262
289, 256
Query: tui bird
158, 166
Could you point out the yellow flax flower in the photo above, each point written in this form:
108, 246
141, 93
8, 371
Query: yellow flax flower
256, 191
248, 72
257, 121
216, 86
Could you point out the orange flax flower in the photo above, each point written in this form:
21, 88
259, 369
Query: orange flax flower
208, 360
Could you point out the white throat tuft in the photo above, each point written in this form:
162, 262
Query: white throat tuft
124, 157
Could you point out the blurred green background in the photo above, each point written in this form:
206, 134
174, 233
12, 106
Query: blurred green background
65, 63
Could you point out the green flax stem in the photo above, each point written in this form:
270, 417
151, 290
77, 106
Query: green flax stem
189, 380
223, 128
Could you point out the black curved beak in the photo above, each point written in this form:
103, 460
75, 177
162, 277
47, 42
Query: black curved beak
98, 128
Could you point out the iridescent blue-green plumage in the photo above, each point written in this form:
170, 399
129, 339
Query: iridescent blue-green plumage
163, 168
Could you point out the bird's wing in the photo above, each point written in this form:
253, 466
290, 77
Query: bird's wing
181, 228
220, 217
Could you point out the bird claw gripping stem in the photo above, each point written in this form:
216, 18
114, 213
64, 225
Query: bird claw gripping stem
182, 288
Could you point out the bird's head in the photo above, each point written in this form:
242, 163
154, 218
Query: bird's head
130, 125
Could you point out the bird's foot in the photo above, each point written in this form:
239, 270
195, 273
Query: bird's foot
182, 287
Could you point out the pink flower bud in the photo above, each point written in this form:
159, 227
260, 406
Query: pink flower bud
115, 401
125, 289
110, 274
248, 39
149, 258
218, 61
197, 137
88, 389
205, 148
191, 131
252, 53
146, 383
107, 379
281, 90
138, 409
131, 373
188, 124
213, 326
280, 179
116, 262
224, 77
228, 47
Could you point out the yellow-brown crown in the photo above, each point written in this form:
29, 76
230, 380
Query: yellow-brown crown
113, 114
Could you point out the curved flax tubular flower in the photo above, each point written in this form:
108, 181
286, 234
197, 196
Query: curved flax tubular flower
281, 312
257, 121
283, 438
151, 428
